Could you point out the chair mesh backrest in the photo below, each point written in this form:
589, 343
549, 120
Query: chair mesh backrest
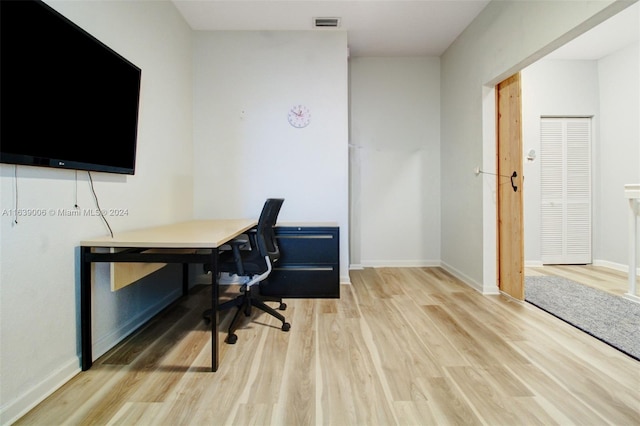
265, 233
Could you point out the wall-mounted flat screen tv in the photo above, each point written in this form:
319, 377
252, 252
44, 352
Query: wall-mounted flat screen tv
66, 99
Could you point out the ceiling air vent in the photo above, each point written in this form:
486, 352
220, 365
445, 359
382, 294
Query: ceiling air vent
326, 22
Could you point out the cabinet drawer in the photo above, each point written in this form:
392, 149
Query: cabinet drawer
301, 281
308, 247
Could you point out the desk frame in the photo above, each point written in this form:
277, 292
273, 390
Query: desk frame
137, 253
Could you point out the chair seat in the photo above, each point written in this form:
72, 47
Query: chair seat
252, 263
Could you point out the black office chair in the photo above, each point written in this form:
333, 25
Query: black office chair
254, 266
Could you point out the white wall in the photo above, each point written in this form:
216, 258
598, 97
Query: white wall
606, 89
618, 157
246, 151
39, 255
556, 88
503, 39
395, 161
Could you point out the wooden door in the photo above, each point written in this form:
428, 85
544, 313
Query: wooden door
509, 189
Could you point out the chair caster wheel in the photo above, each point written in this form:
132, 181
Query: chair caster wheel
286, 326
282, 306
232, 339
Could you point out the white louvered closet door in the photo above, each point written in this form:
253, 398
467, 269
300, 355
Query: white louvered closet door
565, 166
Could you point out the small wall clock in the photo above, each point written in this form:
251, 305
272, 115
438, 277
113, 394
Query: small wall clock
299, 116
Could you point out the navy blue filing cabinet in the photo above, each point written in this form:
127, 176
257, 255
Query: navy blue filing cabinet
309, 264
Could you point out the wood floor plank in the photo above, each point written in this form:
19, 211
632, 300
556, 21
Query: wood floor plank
468, 347
136, 413
197, 394
559, 401
299, 376
368, 286
447, 404
414, 413
494, 344
75, 399
413, 284
531, 411
617, 404
433, 339
269, 365
442, 281
137, 343
302, 315
146, 372
402, 353
350, 393
253, 414
487, 402
403, 346
392, 283
487, 311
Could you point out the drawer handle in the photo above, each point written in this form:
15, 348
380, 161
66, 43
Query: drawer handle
315, 268
310, 237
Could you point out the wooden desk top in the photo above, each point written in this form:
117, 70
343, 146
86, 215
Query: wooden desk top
210, 233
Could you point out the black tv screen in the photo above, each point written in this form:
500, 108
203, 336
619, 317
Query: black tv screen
66, 99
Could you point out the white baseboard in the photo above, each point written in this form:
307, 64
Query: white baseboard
399, 263
620, 267
613, 265
21, 405
484, 289
631, 297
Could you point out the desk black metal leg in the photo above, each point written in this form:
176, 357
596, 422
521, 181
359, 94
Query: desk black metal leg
85, 308
214, 310
185, 279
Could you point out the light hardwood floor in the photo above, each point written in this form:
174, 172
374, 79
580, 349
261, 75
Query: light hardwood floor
605, 279
406, 346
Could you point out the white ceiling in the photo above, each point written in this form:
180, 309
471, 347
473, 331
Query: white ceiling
615, 33
374, 27
390, 27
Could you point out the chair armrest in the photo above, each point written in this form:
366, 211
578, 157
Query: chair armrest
239, 241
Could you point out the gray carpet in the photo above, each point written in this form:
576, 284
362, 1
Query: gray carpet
612, 319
